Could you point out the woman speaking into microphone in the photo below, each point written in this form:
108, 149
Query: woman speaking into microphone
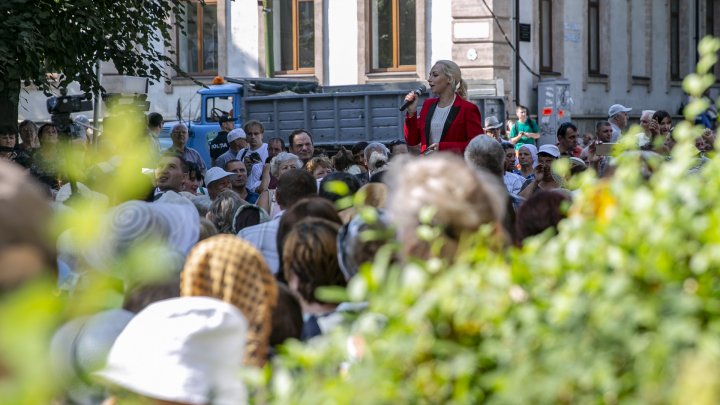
447, 122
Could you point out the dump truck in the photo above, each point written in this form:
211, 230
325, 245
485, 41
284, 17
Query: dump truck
335, 115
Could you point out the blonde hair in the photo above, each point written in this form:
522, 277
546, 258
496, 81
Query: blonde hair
452, 71
463, 199
319, 161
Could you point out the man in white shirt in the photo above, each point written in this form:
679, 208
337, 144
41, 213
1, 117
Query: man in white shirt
618, 117
255, 130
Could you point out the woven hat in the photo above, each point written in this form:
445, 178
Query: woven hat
172, 220
229, 268
184, 350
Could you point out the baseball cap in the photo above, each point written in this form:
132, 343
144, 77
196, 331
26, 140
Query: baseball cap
616, 109
215, 174
492, 122
551, 150
235, 134
226, 118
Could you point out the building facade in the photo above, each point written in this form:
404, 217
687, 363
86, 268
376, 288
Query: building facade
633, 52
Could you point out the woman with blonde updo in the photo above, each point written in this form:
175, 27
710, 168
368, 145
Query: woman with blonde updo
463, 199
447, 122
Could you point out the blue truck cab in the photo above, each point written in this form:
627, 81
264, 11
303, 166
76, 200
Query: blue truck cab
215, 101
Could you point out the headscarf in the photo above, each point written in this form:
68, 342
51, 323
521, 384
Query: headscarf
230, 269
533, 152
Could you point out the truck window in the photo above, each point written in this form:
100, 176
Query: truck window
215, 107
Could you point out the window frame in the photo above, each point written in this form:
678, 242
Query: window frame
674, 39
709, 17
296, 69
545, 68
396, 67
200, 9
593, 4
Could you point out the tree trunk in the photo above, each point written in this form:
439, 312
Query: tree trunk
9, 100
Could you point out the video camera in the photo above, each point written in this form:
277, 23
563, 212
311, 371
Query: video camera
69, 104
61, 107
138, 101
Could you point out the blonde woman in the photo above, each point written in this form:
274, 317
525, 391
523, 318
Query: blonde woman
447, 122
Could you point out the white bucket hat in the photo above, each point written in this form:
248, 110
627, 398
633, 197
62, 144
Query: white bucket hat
186, 349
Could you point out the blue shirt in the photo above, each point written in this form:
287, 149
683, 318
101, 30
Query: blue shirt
263, 237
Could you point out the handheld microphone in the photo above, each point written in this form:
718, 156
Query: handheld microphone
420, 90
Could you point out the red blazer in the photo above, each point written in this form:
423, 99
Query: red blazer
462, 125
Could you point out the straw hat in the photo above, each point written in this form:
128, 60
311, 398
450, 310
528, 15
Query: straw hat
229, 268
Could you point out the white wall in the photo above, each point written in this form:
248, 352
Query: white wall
342, 42
528, 95
243, 49
439, 31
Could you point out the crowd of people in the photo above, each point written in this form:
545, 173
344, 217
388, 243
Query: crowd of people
254, 234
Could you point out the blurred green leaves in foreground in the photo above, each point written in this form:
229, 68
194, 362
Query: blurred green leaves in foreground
30, 316
623, 305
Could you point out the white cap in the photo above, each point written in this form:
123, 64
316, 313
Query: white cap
616, 109
235, 134
215, 174
551, 150
187, 349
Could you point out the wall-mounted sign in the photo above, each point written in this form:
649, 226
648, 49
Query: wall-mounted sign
471, 30
525, 32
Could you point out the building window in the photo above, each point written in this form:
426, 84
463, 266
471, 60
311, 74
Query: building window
594, 37
639, 24
675, 39
197, 46
295, 38
546, 34
393, 35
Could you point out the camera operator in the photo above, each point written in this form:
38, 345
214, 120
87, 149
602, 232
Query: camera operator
9, 149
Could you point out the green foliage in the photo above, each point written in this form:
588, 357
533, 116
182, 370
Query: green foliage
69, 37
622, 305
30, 316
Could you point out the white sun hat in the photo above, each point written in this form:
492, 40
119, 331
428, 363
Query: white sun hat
186, 349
